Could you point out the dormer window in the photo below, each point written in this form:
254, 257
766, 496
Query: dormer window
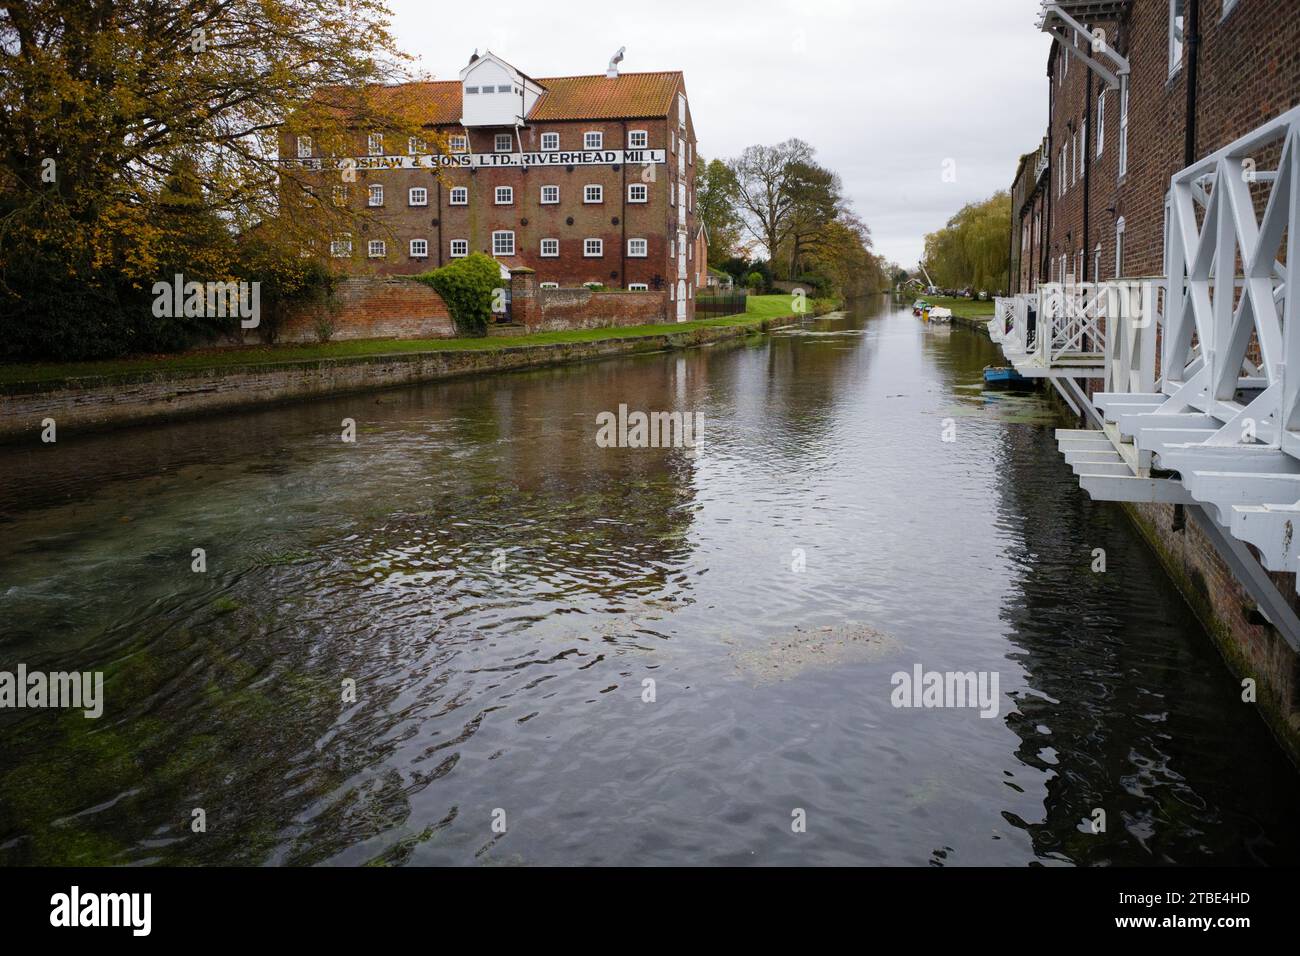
593, 139
504, 142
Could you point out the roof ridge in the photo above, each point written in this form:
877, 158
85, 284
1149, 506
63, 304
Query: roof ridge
603, 76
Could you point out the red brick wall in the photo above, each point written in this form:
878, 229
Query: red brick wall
371, 308
395, 307
584, 309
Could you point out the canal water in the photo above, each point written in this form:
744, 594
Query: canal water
564, 653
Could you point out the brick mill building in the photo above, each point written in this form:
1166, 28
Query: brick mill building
583, 179
1089, 202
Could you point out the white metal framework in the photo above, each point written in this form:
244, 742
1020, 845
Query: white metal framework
1220, 430
1061, 18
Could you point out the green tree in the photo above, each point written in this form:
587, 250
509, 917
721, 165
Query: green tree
715, 204
972, 249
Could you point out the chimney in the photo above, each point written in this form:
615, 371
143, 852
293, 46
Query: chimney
612, 70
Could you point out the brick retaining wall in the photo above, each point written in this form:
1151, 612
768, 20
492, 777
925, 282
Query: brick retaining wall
370, 308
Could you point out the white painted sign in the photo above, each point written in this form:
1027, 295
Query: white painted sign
584, 157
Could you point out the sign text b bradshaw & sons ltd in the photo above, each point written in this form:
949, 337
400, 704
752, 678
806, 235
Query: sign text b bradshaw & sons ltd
580, 157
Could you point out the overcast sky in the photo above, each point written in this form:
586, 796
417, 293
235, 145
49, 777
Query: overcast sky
884, 90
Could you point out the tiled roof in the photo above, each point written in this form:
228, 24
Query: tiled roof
627, 96
434, 102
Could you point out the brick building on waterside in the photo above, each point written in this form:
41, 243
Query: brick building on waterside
586, 180
1089, 202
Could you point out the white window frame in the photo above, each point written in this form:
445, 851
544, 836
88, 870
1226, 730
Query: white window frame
463, 192
638, 139
1101, 122
462, 245
508, 192
1119, 247
415, 146
681, 110
341, 246
593, 252
549, 202
550, 255
503, 242
1065, 175
505, 138
1123, 124
1096, 263
550, 142
339, 195
593, 139
634, 188
1083, 153
422, 200
375, 194
637, 287
458, 143
638, 248
1177, 36
304, 147
424, 249
377, 249
590, 198
375, 144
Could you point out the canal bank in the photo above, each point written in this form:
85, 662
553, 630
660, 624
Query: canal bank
173, 390
637, 656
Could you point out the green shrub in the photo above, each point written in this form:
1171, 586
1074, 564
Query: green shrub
468, 286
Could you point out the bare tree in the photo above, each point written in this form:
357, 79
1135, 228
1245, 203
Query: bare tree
764, 189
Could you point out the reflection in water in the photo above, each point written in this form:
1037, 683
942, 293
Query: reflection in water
500, 589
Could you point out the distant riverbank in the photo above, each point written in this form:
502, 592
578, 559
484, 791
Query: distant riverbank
92, 395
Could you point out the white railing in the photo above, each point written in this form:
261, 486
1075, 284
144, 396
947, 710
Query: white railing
1010, 325
1132, 315
1073, 320
1247, 365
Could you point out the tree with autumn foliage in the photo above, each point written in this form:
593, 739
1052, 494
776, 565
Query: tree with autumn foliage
140, 139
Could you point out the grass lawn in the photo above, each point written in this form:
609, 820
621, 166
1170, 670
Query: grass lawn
758, 309
962, 308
